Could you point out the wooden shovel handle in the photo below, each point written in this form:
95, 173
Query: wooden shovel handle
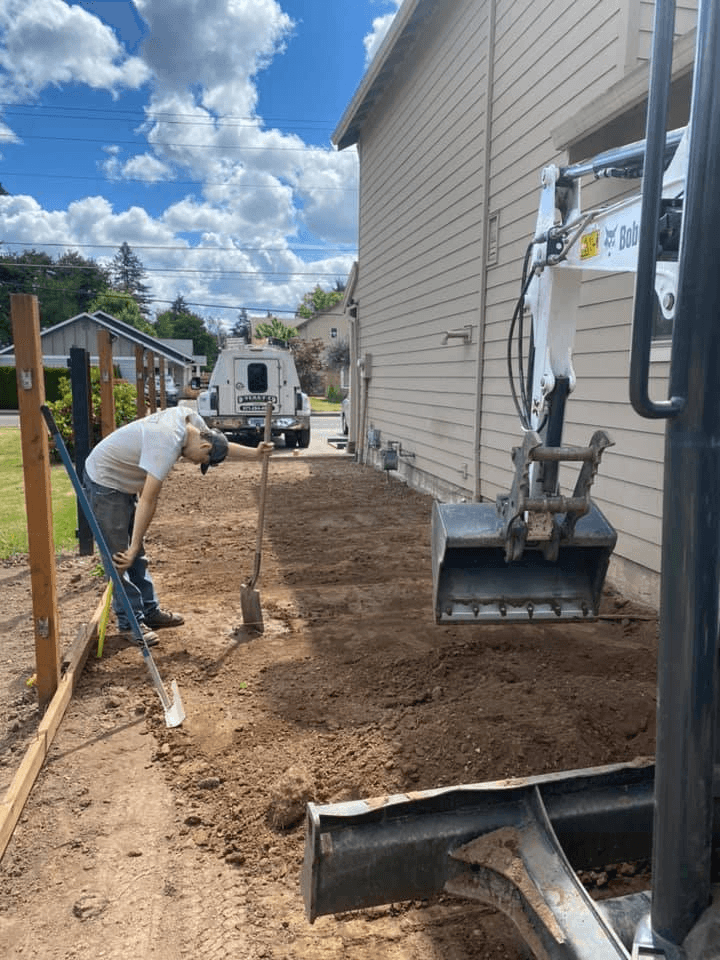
263, 487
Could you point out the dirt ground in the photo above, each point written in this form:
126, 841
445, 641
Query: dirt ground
141, 842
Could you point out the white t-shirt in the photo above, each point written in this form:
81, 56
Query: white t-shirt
152, 445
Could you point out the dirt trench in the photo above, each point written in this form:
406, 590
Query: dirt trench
140, 841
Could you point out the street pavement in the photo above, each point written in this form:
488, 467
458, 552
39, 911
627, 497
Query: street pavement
326, 438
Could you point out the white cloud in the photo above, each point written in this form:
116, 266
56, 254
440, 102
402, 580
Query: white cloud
218, 45
48, 43
380, 27
258, 187
143, 166
222, 266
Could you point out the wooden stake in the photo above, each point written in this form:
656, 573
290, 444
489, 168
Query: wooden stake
107, 398
161, 378
38, 501
14, 800
140, 382
152, 393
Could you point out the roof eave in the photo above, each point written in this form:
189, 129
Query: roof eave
381, 70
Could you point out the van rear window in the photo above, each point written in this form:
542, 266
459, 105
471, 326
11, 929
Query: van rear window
257, 378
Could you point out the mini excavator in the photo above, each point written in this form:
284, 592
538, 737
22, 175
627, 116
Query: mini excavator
519, 844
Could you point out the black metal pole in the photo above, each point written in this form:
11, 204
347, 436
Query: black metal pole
81, 409
690, 587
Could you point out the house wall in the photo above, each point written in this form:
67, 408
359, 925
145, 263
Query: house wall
427, 188
685, 20
421, 172
629, 484
320, 327
56, 342
82, 333
322, 324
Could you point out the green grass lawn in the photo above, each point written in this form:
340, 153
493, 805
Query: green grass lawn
321, 405
13, 515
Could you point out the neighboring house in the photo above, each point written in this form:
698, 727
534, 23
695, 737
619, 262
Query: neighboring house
81, 331
463, 105
332, 326
199, 360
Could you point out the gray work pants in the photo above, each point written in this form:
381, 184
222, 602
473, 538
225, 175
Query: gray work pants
115, 513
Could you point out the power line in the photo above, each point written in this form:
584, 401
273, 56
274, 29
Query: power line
178, 183
166, 270
37, 111
195, 303
187, 146
114, 246
248, 124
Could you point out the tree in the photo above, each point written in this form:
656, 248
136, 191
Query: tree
124, 307
243, 326
319, 299
180, 323
338, 355
24, 272
124, 397
129, 274
308, 363
217, 330
272, 327
64, 287
76, 282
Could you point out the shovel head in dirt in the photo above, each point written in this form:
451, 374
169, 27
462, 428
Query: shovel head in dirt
473, 582
251, 608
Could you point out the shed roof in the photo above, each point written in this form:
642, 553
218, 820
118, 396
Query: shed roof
120, 329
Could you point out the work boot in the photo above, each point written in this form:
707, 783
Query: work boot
149, 636
163, 618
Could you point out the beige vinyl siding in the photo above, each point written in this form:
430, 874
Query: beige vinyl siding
423, 178
586, 39
420, 237
685, 21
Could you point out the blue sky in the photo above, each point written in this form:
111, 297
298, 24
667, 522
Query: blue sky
197, 131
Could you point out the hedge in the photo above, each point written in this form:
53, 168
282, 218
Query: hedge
8, 385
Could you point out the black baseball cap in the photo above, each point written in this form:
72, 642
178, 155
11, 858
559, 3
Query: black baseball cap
219, 449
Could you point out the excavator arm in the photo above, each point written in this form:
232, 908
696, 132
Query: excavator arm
538, 552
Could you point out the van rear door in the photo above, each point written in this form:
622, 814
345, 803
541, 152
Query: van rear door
257, 382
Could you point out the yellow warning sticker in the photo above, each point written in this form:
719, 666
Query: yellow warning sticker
589, 244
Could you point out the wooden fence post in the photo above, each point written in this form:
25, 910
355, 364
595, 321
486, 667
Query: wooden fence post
107, 397
161, 378
25, 317
152, 393
140, 382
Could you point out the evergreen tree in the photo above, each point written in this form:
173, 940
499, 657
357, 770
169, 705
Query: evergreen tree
129, 274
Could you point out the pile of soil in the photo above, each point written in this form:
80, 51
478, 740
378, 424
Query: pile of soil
143, 841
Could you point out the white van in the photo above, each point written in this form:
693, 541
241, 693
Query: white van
245, 378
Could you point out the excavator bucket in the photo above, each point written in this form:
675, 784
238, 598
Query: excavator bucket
473, 581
